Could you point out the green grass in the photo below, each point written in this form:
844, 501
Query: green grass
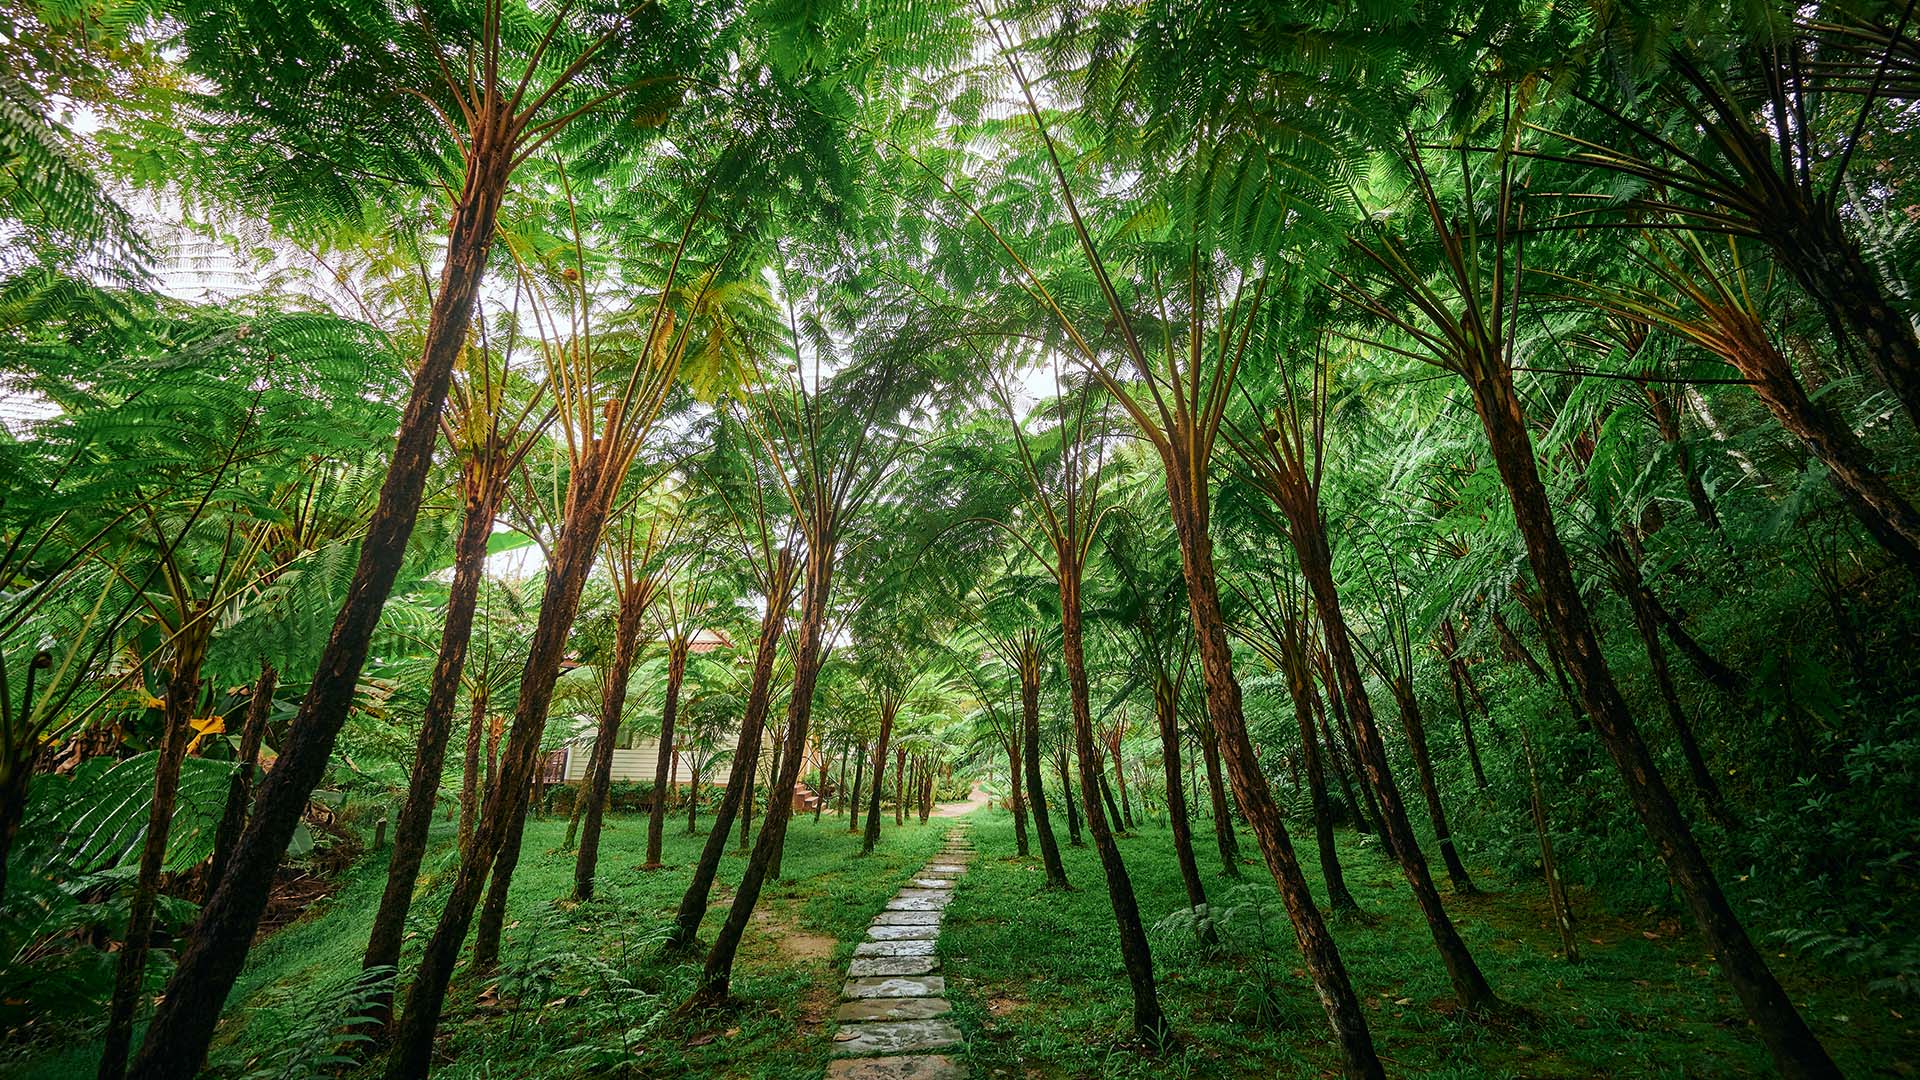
1037, 986
581, 991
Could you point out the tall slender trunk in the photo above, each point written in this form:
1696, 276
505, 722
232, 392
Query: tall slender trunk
1336, 757
492, 920
859, 778
1016, 796
716, 977
926, 793
889, 706
1166, 714
1073, 806
182, 1027
1148, 1021
183, 690
1030, 746
240, 788
1337, 702
1795, 1049
1549, 868
1457, 679
613, 705
1666, 420
820, 796
588, 499
470, 777
693, 902
1317, 948
1299, 684
693, 792
1224, 836
1627, 579
1309, 536
899, 787
1106, 794
430, 751
1415, 726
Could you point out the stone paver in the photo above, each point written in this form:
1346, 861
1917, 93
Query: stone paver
895, 1004
920, 947
863, 966
904, 931
895, 986
922, 917
894, 1037
892, 1009
906, 1067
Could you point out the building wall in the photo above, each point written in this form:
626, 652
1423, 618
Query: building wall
639, 763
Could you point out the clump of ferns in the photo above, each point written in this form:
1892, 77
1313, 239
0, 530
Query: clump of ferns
1249, 922
608, 1017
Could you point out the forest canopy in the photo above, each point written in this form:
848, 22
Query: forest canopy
1457, 460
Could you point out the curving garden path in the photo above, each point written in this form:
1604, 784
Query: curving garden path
892, 1024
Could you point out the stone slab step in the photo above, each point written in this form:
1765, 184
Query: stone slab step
894, 1037
919, 947
906, 1067
907, 916
863, 966
920, 900
892, 1009
931, 883
895, 986
945, 867
908, 932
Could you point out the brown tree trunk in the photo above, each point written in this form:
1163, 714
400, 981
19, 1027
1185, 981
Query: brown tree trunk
693, 902
859, 779
613, 705
1030, 746
889, 706
1299, 683
1166, 708
1016, 796
1549, 868
1073, 806
1308, 533
130, 971
1224, 837
899, 787
1627, 580
492, 920
693, 793
1149, 1023
716, 977
1415, 727
585, 515
1457, 678
182, 1027
1324, 965
430, 751
1120, 777
239, 789
470, 777
1828, 264
1796, 1052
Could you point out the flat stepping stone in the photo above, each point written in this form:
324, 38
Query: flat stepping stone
914, 947
930, 872
892, 1009
920, 903
894, 1037
895, 986
905, 1067
945, 868
907, 917
863, 966
903, 931
931, 883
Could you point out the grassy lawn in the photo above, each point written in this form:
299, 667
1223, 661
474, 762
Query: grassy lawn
580, 990
1037, 986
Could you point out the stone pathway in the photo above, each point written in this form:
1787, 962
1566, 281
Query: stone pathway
893, 1023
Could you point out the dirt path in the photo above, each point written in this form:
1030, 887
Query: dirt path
975, 799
